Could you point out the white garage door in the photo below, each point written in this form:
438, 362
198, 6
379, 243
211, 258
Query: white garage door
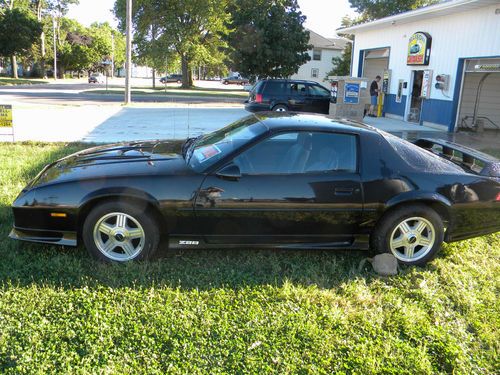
375, 62
489, 101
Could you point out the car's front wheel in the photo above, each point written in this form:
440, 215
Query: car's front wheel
413, 234
120, 232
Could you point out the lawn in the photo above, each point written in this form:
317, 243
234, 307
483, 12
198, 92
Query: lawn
240, 311
6, 81
176, 91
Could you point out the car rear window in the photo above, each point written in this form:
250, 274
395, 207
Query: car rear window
419, 158
275, 88
257, 87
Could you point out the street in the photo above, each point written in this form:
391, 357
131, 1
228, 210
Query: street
78, 92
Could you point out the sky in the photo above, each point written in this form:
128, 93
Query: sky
323, 16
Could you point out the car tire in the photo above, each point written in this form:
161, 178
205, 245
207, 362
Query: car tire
133, 231
280, 108
225, 83
412, 233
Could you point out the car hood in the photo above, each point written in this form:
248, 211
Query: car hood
116, 160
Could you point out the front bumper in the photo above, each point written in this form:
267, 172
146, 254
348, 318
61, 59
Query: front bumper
44, 236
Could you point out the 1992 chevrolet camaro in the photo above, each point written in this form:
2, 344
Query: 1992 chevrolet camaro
267, 180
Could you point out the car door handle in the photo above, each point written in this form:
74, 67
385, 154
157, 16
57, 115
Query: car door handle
343, 191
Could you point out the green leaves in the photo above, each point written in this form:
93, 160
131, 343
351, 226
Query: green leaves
268, 38
371, 9
18, 31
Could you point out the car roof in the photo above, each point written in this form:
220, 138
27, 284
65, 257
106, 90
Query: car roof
290, 120
289, 80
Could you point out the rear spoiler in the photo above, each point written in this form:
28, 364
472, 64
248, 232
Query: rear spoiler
476, 161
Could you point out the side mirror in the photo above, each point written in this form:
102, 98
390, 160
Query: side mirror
229, 172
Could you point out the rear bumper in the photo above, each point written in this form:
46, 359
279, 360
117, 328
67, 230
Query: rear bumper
256, 107
44, 236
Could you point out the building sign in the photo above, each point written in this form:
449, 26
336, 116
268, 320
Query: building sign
351, 93
5, 116
487, 68
419, 49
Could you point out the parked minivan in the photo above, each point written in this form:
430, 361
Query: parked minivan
282, 95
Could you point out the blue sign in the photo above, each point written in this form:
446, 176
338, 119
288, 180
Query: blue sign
351, 93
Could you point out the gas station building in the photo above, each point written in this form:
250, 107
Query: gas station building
440, 65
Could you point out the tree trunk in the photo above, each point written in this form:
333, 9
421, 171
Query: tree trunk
154, 78
187, 80
13, 64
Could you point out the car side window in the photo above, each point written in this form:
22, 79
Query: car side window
300, 152
298, 89
319, 91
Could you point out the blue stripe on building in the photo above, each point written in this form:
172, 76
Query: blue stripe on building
390, 105
437, 111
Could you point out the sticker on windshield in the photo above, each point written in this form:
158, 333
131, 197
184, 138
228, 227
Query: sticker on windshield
207, 152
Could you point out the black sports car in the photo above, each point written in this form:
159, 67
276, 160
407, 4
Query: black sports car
267, 180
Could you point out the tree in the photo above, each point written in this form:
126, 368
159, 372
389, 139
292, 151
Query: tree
269, 39
342, 65
374, 9
83, 48
192, 29
18, 31
45, 10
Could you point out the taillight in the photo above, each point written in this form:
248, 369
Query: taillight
258, 98
498, 197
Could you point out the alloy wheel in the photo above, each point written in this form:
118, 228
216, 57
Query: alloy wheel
412, 239
119, 236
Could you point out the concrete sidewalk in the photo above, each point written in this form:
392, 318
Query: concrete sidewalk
115, 123
112, 123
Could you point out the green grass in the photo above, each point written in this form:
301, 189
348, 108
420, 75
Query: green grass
193, 92
6, 81
239, 311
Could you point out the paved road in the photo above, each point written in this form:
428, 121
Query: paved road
73, 92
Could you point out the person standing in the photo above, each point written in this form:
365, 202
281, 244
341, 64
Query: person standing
374, 90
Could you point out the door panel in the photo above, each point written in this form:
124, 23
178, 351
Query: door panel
294, 187
312, 207
299, 99
320, 99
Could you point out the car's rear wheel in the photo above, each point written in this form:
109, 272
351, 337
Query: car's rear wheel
120, 232
413, 234
280, 108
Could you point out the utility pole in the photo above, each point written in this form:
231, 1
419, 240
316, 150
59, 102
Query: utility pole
128, 63
55, 46
112, 55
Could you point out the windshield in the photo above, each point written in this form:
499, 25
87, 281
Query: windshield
208, 149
